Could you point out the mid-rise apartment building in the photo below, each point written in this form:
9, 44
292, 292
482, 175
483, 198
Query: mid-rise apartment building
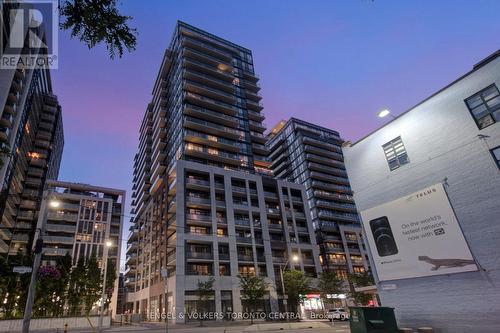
450, 141
311, 155
202, 204
31, 133
87, 221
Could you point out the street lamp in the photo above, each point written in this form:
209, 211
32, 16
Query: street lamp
38, 249
384, 113
108, 243
295, 258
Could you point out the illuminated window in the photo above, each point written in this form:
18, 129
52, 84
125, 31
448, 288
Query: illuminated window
485, 106
395, 153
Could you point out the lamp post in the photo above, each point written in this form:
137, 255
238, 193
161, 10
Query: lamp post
107, 245
38, 249
164, 275
295, 258
384, 113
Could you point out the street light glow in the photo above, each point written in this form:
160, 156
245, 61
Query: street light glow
54, 203
109, 243
384, 113
295, 258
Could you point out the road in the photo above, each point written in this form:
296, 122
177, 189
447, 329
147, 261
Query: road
154, 328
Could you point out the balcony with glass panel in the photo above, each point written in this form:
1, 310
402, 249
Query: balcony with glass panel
202, 67
338, 216
323, 152
329, 178
330, 187
212, 128
211, 115
210, 103
324, 144
327, 169
207, 91
214, 141
209, 80
256, 126
255, 115
192, 53
206, 48
214, 154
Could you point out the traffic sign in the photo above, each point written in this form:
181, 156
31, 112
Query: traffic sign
22, 269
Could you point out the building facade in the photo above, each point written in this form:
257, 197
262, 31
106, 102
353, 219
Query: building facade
453, 138
31, 136
86, 219
202, 203
311, 155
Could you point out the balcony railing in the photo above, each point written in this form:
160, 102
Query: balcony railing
199, 255
198, 200
245, 257
247, 240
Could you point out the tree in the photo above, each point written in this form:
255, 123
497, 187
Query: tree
360, 280
76, 289
98, 21
204, 293
64, 265
296, 285
47, 285
110, 281
13, 286
253, 289
330, 283
93, 280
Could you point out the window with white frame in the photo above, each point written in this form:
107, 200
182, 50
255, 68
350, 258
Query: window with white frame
395, 153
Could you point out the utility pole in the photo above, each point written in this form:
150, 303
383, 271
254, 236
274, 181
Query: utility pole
38, 249
107, 245
164, 275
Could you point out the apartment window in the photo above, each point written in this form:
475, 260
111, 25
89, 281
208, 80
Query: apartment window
496, 155
485, 106
395, 153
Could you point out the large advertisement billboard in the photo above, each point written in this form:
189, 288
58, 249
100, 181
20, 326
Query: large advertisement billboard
417, 235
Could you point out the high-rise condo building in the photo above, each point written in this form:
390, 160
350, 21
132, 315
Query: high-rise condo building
31, 136
87, 221
312, 155
202, 206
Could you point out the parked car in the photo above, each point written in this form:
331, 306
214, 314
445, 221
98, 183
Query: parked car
337, 314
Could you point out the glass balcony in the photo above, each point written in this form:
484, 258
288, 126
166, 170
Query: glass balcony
199, 255
323, 152
205, 90
211, 103
211, 115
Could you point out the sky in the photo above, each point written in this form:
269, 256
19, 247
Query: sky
333, 63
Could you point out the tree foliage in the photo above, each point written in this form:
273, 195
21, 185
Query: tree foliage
98, 21
93, 280
360, 280
204, 292
13, 287
76, 288
330, 283
253, 289
297, 284
110, 281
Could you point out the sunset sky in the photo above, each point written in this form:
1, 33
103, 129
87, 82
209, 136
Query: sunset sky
334, 63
